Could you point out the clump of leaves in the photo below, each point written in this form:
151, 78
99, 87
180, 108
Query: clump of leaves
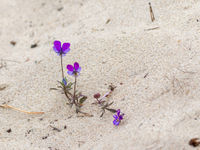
106, 107
118, 117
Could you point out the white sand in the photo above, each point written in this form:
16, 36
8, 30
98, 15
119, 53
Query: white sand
162, 110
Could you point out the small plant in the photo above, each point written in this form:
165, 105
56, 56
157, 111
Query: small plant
74, 98
106, 105
103, 104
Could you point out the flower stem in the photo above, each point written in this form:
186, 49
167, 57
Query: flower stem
61, 62
75, 90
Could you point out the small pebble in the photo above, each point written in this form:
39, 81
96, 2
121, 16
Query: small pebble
13, 43
34, 45
9, 130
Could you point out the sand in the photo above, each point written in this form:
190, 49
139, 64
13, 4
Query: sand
156, 72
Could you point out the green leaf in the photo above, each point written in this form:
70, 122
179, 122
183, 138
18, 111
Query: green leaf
111, 110
53, 89
81, 101
102, 113
69, 85
107, 105
62, 84
60, 87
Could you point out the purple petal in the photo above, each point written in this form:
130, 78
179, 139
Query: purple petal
118, 112
120, 117
57, 51
115, 116
70, 73
65, 46
79, 70
116, 123
57, 45
76, 66
66, 51
62, 54
70, 67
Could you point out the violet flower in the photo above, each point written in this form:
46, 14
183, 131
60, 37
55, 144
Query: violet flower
61, 50
64, 81
74, 70
118, 117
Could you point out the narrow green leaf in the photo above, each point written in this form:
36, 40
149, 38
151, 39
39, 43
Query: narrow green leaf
111, 110
53, 89
62, 84
102, 113
81, 101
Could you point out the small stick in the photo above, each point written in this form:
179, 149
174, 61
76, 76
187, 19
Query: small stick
151, 29
146, 75
85, 114
14, 108
151, 12
186, 71
54, 128
11, 60
108, 94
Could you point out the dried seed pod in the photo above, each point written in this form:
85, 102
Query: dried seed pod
194, 142
97, 95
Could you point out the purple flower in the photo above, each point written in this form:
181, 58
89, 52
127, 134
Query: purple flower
61, 51
118, 117
64, 81
74, 70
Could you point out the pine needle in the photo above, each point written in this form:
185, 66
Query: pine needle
14, 108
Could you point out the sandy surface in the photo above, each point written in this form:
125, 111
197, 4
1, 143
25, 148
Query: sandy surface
162, 110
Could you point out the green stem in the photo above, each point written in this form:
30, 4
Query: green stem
61, 62
75, 90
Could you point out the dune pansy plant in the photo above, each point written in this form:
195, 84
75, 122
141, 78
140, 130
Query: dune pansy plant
74, 98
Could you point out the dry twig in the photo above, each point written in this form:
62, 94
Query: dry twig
151, 29
14, 108
151, 12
